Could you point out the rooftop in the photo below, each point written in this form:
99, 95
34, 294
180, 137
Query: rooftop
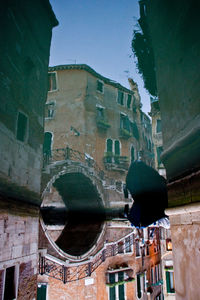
91, 71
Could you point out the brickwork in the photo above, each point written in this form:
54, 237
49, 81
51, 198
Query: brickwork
1, 281
27, 288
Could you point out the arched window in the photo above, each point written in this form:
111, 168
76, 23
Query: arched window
109, 146
117, 151
47, 143
132, 154
117, 148
109, 150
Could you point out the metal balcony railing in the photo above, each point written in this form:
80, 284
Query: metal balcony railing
68, 272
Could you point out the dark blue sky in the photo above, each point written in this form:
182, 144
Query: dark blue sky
98, 33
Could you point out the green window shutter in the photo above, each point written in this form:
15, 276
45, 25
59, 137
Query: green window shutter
112, 289
109, 145
117, 148
41, 292
168, 282
121, 286
159, 151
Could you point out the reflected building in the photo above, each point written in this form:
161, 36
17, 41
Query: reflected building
94, 128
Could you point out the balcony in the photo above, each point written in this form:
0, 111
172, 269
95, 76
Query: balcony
124, 133
114, 162
102, 124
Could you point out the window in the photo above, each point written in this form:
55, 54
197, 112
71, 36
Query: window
41, 291
144, 282
139, 291
109, 150
158, 126
159, 151
49, 110
132, 154
170, 282
117, 151
156, 273
118, 291
121, 286
52, 86
124, 122
112, 293
109, 145
168, 244
129, 99
152, 277
120, 247
147, 249
9, 290
120, 97
10, 282
22, 127
128, 245
100, 113
137, 248
47, 146
135, 131
100, 86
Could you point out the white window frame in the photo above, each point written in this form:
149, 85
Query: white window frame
131, 246
50, 72
51, 102
16, 279
137, 256
101, 81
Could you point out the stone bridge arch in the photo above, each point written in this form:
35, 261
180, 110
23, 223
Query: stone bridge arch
81, 193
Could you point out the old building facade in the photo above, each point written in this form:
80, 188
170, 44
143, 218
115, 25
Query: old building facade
24, 56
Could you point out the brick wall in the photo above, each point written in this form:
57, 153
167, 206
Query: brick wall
27, 288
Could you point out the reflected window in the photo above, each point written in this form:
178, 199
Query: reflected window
139, 291
129, 99
100, 86
41, 291
49, 110
168, 244
158, 126
52, 85
10, 284
22, 127
120, 97
132, 154
159, 152
170, 282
